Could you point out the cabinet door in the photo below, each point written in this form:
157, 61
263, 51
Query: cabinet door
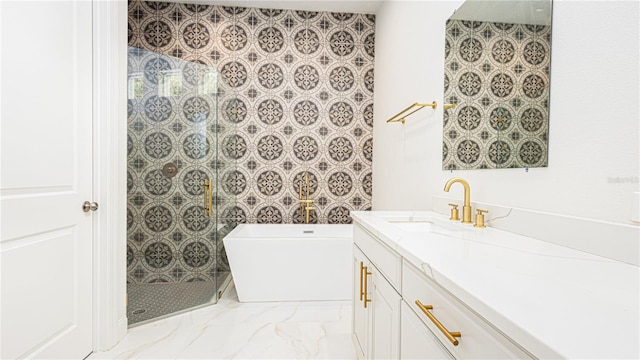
418, 342
385, 304
361, 321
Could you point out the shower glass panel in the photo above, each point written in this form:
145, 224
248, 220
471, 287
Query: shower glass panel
175, 259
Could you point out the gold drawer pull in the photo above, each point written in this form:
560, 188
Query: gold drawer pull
450, 335
361, 270
365, 287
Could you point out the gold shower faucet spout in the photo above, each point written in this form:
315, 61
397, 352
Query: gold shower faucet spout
466, 209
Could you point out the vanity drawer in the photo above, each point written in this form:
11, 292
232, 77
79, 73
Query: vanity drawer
478, 339
385, 259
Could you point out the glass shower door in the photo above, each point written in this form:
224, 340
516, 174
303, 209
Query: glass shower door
172, 217
198, 105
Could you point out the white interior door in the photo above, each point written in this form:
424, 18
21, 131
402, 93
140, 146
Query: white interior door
46, 175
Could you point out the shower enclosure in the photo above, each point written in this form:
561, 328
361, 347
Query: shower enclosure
175, 254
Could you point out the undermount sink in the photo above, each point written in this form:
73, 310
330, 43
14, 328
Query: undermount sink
424, 225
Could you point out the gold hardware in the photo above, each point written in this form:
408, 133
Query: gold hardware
365, 287
449, 334
301, 203
480, 218
208, 196
305, 210
361, 268
305, 204
466, 209
309, 209
400, 117
446, 107
454, 212
219, 294
89, 206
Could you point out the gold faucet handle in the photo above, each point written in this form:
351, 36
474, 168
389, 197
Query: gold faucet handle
480, 218
455, 215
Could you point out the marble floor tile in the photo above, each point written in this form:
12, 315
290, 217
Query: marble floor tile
234, 330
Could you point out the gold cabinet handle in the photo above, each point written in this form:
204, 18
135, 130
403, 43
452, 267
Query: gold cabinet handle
361, 277
365, 287
208, 196
449, 334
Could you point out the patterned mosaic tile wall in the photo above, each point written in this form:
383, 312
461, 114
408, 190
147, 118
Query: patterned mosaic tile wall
498, 74
300, 92
172, 121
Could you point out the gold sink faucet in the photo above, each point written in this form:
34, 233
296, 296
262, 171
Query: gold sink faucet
466, 209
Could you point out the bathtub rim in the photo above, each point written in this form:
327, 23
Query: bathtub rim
236, 233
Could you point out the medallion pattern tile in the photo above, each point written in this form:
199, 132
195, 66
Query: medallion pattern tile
169, 237
499, 74
295, 96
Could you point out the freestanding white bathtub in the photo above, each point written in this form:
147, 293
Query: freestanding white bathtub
290, 262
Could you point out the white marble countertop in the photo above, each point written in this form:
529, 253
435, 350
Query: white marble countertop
554, 301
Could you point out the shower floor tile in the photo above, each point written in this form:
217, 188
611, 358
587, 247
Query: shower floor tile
148, 302
234, 330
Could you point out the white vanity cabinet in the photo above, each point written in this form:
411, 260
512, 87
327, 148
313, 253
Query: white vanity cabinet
385, 304
401, 313
417, 341
376, 305
442, 313
446, 290
360, 315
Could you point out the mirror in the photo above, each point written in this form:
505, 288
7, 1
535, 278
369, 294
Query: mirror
497, 59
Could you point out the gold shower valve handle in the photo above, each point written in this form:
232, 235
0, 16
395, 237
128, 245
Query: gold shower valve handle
455, 215
480, 218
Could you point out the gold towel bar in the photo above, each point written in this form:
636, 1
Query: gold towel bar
400, 117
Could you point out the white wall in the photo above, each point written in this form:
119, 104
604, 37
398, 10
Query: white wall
594, 114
